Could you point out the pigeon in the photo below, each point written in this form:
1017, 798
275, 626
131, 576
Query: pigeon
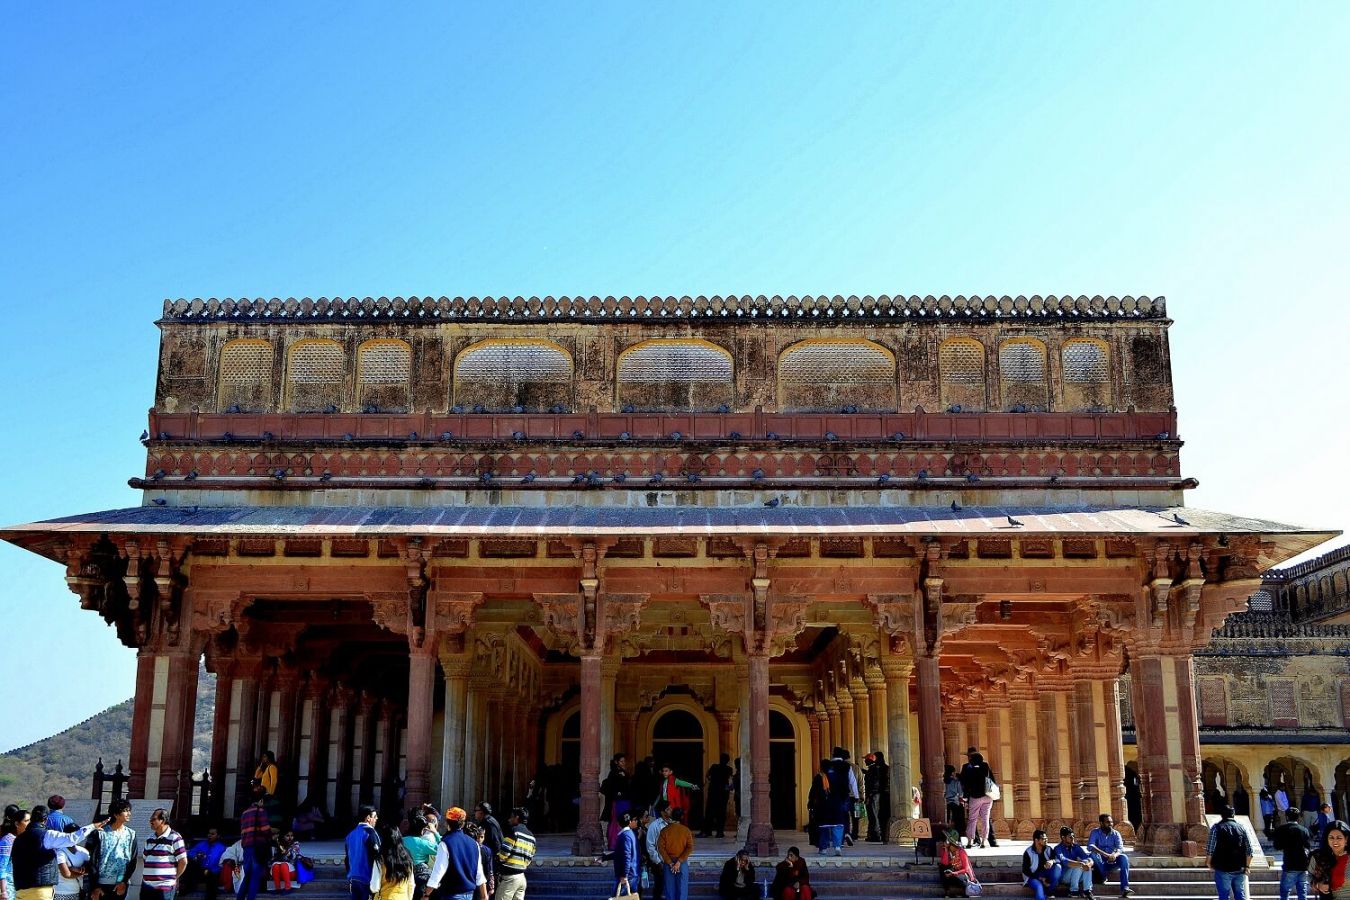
160, 501
268, 436
578, 478
457, 408
773, 504
517, 409
723, 408
922, 475
479, 408
348, 436
956, 507
676, 436
692, 478
578, 435
1054, 479
279, 474
1014, 523
191, 476
412, 435
528, 478
447, 435
772, 435
330, 408
557, 409
426, 482
145, 436
735, 435
621, 478
486, 477
159, 474
656, 479
1164, 435
594, 479
234, 408
627, 407
518, 435
1179, 520
228, 437
326, 477
164, 436
898, 436
972, 478
831, 436
758, 475
625, 436
884, 478
954, 408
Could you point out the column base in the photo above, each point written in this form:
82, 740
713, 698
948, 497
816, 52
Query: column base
1169, 838
901, 831
590, 840
759, 840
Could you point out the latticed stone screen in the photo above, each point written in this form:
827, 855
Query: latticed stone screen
384, 375
315, 370
1213, 701
1087, 379
835, 374
1022, 374
500, 375
961, 368
245, 376
674, 374
1261, 601
1283, 703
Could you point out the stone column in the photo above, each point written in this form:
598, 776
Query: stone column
847, 737
862, 720
162, 723
1090, 759
220, 742
1053, 797
1115, 755
392, 721
1026, 761
876, 691
609, 677
1001, 751
288, 741
1169, 751
628, 719
992, 739
760, 841
421, 693
455, 666
590, 838
314, 784
814, 721
472, 785
340, 754
835, 716
897, 671
244, 723
929, 681
365, 776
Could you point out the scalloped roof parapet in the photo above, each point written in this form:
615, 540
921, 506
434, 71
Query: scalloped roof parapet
673, 309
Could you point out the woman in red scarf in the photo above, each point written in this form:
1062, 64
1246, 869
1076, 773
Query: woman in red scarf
674, 791
791, 880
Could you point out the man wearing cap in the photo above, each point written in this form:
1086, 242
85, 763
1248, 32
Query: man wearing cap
457, 873
1074, 864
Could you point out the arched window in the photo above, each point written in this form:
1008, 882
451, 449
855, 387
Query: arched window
503, 374
245, 381
674, 374
836, 373
1022, 376
315, 370
961, 369
384, 375
1087, 378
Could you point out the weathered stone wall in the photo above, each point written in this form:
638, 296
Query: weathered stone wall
1137, 366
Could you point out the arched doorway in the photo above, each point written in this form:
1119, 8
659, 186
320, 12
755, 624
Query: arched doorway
566, 781
677, 741
1224, 783
1134, 805
1340, 793
1292, 775
782, 772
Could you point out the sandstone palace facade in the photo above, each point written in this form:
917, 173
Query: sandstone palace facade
430, 545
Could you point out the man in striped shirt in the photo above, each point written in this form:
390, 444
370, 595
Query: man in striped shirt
165, 858
518, 849
255, 838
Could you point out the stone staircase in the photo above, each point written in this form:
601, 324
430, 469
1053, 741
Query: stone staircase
839, 878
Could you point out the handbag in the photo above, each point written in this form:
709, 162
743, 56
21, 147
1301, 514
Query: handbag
628, 893
992, 790
974, 888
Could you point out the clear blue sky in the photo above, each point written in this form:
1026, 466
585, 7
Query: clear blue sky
152, 150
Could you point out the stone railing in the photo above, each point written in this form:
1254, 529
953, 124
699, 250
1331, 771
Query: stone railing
1276, 625
656, 309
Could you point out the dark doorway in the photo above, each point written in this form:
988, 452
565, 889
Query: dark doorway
782, 772
565, 783
677, 741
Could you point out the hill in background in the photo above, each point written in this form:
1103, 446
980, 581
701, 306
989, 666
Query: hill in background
64, 763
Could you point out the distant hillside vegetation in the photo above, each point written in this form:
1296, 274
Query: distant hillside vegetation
64, 763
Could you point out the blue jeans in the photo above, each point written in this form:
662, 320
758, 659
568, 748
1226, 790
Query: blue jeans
1043, 888
1076, 878
1103, 867
831, 837
255, 873
1234, 883
676, 884
1294, 879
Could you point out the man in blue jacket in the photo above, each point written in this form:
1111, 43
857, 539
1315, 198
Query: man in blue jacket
457, 873
627, 860
363, 849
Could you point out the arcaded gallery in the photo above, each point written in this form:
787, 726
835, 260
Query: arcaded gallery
431, 547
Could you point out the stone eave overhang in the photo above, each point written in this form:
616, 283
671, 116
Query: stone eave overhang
728, 309
1277, 541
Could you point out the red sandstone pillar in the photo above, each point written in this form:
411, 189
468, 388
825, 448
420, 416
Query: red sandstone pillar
220, 739
814, 721
590, 838
245, 723
897, 671
1027, 808
288, 749
1169, 752
139, 753
928, 677
421, 687
760, 840
876, 691
1086, 714
847, 737
836, 730
1115, 756
370, 720
862, 720
455, 667
315, 782
393, 719
340, 764
993, 749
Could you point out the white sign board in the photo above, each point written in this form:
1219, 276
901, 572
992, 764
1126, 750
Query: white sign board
81, 810
1258, 855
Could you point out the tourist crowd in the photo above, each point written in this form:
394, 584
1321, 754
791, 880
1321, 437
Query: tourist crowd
45, 855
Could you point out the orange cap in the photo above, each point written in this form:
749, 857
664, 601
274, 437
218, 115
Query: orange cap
455, 814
